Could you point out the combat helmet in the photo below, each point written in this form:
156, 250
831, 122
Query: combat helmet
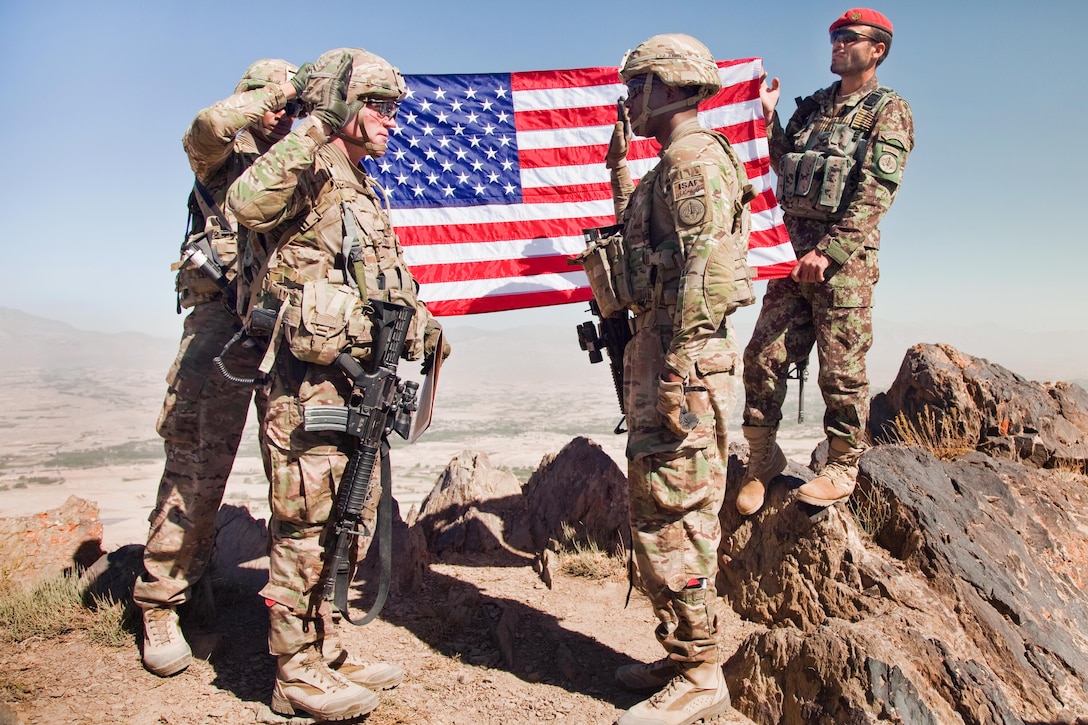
677, 60
267, 71
371, 75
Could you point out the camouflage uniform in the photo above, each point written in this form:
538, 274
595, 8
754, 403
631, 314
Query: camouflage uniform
689, 210
301, 194
203, 414
835, 315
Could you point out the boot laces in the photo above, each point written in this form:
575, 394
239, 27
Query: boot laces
160, 627
666, 692
325, 678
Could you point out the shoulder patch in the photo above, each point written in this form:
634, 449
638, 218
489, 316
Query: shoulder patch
689, 185
691, 211
895, 138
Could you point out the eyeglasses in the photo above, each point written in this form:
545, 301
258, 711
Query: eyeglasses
385, 109
849, 37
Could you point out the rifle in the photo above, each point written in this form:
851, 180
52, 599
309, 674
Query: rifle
379, 403
610, 334
799, 372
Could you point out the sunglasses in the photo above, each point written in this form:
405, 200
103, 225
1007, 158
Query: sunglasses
384, 108
295, 108
849, 37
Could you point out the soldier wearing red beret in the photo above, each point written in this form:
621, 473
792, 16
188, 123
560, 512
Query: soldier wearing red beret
839, 163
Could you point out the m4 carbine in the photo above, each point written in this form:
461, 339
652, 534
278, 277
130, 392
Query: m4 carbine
379, 403
611, 335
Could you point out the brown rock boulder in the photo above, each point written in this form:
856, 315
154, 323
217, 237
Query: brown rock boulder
473, 507
583, 488
67, 538
992, 408
946, 592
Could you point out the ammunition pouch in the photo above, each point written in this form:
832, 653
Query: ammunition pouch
324, 319
618, 273
812, 184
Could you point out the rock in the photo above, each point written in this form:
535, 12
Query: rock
240, 556
111, 577
473, 507
583, 488
991, 407
945, 592
67, 538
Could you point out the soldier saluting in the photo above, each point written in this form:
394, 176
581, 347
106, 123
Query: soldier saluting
680, 270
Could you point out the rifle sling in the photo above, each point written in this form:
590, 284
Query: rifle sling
385, 550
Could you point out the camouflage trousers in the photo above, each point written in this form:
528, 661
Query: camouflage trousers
305, 471
676, 488
201, 424
836, 317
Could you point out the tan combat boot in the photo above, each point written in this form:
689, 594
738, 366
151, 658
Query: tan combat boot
649, 677
765, 461
837, 478
371, 675
697, 692
305, 682
165, 650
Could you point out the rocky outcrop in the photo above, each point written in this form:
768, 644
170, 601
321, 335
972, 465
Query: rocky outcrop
992, 408
67, 538
579, 490
473, 507
947, 591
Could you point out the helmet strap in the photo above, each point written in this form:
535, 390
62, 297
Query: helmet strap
639, 122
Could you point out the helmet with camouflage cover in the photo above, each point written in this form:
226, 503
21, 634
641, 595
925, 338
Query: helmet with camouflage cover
371, 75
267, 71
372, 78
677, 60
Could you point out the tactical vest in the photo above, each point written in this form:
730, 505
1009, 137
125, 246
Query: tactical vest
193, 286
819, 182
328, 264
626, 271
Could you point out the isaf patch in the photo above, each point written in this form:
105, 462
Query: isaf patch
689, 193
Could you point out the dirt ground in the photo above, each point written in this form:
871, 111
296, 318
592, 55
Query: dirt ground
485, 643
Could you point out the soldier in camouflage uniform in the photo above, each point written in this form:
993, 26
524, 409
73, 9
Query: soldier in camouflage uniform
685, 233
839, 162
310, 198
203, 414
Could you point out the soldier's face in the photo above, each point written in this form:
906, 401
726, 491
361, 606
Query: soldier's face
274, 125
376, 127
853, 51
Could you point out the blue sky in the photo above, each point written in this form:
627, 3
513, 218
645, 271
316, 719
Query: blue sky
99, 94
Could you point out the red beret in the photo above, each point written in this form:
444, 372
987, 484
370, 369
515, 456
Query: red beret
862, 16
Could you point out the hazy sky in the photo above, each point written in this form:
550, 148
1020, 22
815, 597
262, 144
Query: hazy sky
99, 94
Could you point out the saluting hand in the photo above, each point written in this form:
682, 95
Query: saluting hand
768, 96
621, 138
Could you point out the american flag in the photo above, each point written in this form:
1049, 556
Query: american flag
492, 178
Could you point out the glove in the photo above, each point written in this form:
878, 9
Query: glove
621, 138
327, 89
301, 78
431, 333
673, 411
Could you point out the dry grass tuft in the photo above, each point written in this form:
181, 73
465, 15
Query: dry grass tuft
587, 559
54, 607
936, 431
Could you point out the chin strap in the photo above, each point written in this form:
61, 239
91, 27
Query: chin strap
361, 142
638, 124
